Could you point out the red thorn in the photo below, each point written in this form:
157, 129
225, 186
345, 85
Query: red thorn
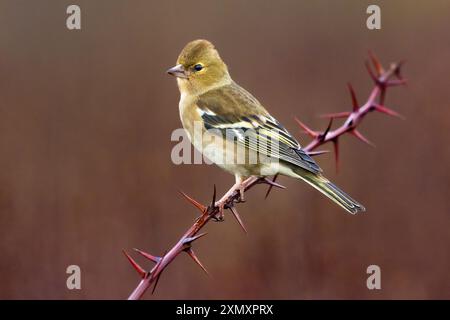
135, 265
328, 128
372, 75
382, 95
197, 204
355, 104
323, 135
360, 136
399, 82
156, 283
386, 110
238, 218
317, 153
271, 186
376, 63
337, 115
148, 256
306, 129
273, 183
198, 236
336, 153
189, 240
397, 68
191, 254
213, 202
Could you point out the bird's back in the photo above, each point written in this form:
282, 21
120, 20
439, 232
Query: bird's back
231, 99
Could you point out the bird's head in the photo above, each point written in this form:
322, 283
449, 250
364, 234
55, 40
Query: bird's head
199, 68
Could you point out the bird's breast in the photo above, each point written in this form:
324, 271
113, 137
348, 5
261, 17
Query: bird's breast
189, 115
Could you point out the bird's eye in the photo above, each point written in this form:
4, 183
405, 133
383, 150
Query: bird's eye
198, 67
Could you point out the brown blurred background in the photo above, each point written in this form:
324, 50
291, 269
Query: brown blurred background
85, 169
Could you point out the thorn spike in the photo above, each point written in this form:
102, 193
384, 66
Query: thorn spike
271, 186
156, 283
306, 129
355, 104
360, 136
197, 204
194, 257
189, 240
238, 218
376, 63
382, 95
273, 183
328, 128
399, 82
213, 202
198, 236
135, 265
148, 255
371, 74
324, 134
336, 153
397, 69
317, 153
386, 110
337, 115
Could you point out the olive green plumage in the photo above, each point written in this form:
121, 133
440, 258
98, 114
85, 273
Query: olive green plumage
233, 105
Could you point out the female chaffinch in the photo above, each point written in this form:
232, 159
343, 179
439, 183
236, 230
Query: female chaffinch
233, 130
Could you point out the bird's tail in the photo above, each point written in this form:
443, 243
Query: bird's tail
331, 191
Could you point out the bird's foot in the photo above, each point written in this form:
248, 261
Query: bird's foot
241, 194
219, 216
224, 202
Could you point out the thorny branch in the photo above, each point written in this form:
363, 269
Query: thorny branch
382, 78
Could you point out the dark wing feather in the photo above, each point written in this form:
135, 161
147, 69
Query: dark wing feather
233, 110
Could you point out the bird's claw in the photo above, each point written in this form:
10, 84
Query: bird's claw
219, 216
241, 194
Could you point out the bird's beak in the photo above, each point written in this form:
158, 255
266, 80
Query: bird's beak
178, 71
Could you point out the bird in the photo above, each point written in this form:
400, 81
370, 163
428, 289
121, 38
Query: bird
232, 129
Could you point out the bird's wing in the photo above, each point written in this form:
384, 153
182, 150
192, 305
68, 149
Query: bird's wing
239, 116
